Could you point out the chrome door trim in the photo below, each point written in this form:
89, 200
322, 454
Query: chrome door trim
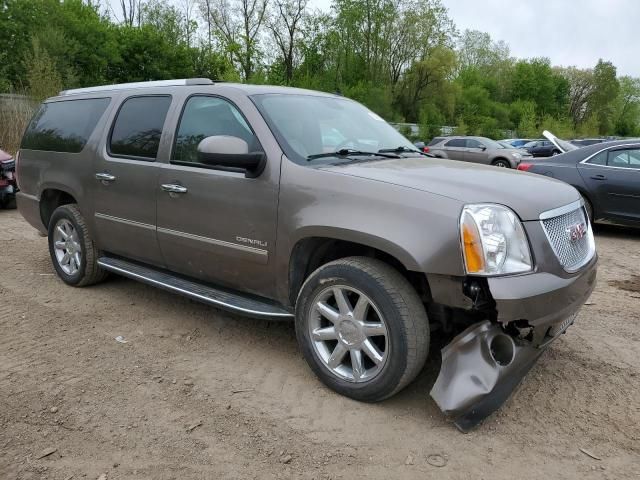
104, 216
215, 241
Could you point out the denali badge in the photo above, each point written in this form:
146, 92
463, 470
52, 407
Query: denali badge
577, 231
251, 241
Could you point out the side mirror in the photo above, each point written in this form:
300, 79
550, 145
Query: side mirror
231, 152
483, 148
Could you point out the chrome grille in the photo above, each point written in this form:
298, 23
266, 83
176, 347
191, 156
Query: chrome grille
572, 253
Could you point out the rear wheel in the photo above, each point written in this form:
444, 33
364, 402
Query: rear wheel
362, 328
588, 207
501, 163
72, 250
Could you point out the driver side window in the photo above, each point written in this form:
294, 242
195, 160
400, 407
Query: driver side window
205, 116
471, 143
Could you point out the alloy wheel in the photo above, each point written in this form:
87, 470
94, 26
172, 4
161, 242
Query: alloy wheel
67, 248
348, 333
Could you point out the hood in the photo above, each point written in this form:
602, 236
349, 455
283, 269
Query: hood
4, 156
527, 194
561, 145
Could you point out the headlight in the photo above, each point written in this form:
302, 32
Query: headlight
516, 155
493, 241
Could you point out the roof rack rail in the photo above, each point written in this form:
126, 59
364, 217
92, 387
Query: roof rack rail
125, 86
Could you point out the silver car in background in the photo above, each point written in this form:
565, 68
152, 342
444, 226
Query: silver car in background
476, 150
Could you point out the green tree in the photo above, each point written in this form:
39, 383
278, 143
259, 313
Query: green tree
605, 91
43, 79
627, 107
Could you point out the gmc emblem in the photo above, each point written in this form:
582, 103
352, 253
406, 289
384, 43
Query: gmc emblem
577, 231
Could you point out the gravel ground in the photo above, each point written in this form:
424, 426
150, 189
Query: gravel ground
197, 393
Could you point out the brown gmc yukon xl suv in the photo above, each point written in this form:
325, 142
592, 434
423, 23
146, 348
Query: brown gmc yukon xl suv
291, 204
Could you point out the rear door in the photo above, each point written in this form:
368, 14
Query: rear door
476, 151
221, 226
126, 179
455, 148
614, 177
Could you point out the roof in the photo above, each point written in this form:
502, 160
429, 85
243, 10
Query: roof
191, 82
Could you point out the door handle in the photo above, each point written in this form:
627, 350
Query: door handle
173, 188
598, 177
105, 177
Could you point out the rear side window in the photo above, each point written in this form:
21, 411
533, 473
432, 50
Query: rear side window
456, 142
64, 126
599, 159
138, 127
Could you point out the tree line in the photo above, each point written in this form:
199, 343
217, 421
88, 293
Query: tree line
404, 59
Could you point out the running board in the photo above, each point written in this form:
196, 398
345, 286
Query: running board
234, 302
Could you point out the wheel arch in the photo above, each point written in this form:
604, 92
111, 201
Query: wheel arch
312, 251
52, 198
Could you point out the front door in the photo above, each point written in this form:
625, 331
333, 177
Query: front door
126, 178
476, 152
215, 225
614, 176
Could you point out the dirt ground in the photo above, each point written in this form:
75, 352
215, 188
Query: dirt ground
197, 393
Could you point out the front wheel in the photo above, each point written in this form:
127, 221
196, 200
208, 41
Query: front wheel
362, 328
501, 163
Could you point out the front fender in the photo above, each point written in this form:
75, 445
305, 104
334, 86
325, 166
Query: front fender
418, 228
356, 236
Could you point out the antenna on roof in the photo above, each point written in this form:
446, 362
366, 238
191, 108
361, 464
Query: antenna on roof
126, 86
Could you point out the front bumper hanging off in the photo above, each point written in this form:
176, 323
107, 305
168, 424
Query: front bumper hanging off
482, 365
480, 369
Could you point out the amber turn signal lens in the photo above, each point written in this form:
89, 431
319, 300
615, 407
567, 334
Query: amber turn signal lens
473, 256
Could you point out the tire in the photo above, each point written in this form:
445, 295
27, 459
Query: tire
501, 163
78, 274
393, 303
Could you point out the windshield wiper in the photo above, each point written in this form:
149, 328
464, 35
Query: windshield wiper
402, 149
349, 152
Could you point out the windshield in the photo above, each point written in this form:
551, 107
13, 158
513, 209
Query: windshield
504, 144
307, 125
492, 144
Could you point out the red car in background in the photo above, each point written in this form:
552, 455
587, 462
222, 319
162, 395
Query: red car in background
8, 185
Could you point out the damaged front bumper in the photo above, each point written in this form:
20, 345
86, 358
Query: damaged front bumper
482, 365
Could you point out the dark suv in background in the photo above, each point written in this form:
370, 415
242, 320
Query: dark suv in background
282, 203
541, 148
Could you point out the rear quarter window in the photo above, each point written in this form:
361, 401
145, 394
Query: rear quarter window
64, 126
